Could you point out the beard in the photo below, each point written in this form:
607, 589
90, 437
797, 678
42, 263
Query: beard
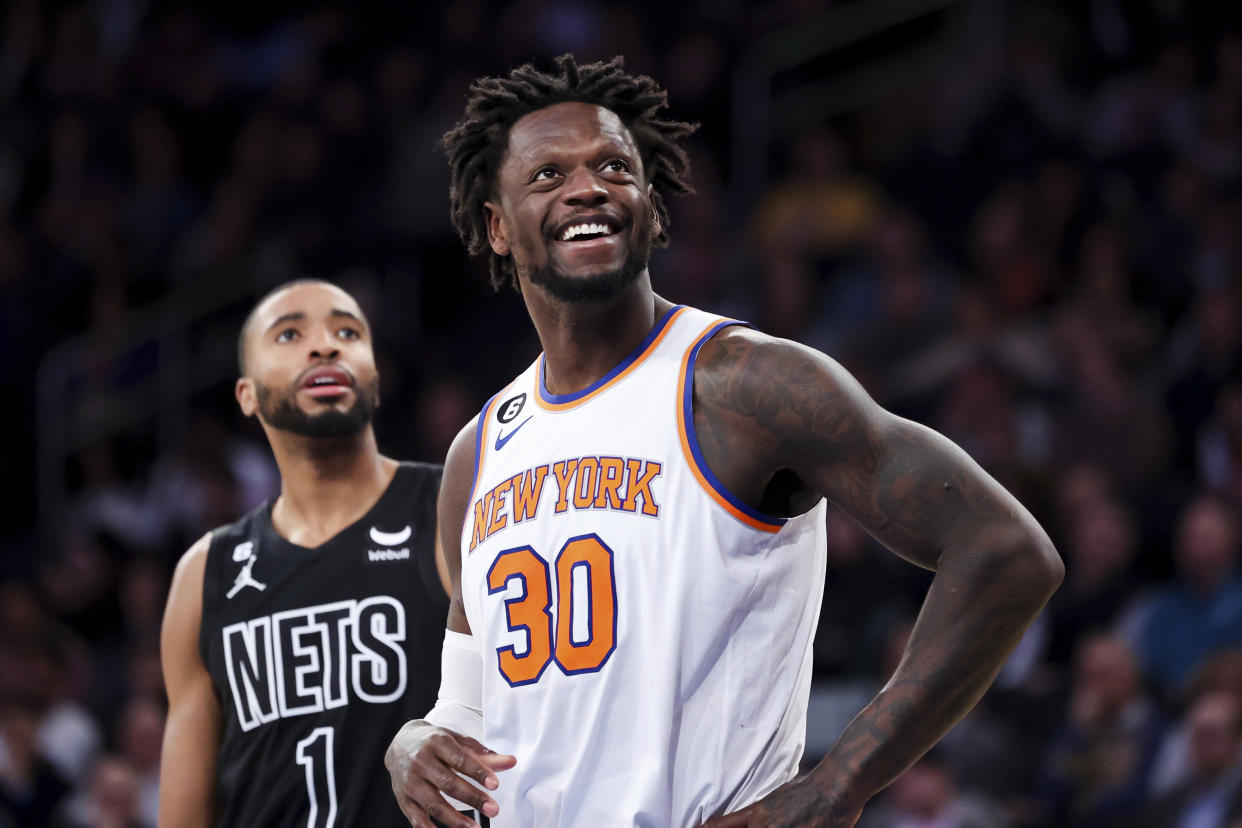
598, 287
283, 412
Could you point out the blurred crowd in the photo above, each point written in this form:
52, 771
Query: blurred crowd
1033, 250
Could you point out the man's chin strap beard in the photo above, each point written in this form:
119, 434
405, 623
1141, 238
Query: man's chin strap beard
583, 289
283, 413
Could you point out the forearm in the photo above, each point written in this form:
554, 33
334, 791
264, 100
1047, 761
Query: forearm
192, 731
980, 603
187, 777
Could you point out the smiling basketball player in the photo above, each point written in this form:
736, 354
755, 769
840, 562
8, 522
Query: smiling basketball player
638, 562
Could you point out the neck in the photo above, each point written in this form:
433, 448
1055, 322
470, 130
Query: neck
326, 484
583, 341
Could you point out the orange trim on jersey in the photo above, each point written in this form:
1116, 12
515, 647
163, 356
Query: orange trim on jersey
481, 441
772, 525
619, 373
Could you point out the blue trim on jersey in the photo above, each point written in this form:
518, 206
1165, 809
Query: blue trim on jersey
560, 399
478, 442
687, 403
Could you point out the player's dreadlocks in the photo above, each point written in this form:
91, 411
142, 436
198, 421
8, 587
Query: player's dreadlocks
477, 144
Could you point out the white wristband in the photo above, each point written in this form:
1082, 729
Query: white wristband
459, 705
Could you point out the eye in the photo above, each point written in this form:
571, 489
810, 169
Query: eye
287, 335
617, 165
349, 333
544, 174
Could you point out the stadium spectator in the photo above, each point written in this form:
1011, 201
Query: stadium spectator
1201, 612
1097, 766
928, 796
1213, 793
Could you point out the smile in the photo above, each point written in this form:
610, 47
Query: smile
585, 232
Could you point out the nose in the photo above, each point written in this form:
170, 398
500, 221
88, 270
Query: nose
323, 346
583, 188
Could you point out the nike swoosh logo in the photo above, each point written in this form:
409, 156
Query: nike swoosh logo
391, 538
501, 439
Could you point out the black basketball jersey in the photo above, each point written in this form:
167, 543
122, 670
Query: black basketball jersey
318, 656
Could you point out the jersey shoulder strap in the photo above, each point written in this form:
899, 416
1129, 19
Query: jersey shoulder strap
419, 492
228, 541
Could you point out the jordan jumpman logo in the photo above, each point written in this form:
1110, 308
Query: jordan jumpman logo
244, 578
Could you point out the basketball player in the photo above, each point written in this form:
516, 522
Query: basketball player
296, 639
634, 526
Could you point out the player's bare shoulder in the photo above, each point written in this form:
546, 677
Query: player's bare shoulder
764, 383
183, 618
194, 559
763, 404
185, 594
455, 486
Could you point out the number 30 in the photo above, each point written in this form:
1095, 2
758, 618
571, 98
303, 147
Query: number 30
586, 590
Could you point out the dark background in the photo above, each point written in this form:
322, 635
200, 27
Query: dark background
1015, 222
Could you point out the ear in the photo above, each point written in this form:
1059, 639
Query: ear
247, 400
497, 231
656, 228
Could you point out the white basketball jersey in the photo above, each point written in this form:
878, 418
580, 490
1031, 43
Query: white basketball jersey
646, 637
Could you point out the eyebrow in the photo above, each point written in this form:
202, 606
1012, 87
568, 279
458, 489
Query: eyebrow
298, 316
545, 156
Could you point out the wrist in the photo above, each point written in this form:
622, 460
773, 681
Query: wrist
840, 786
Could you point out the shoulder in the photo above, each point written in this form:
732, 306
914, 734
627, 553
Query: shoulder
246, 527
194, 560
772, 381
459, 465
418, 470
744, 356
420, 481
183, 614
455, 488
763, 405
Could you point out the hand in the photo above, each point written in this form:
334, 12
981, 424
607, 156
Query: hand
425, 761
798, 804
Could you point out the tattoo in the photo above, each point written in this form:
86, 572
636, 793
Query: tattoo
764, 406
752, 409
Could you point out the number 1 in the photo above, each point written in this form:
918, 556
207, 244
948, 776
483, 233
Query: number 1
316, 755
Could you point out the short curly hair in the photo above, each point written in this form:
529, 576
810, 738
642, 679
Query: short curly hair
476, 146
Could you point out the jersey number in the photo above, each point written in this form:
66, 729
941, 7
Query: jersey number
314, 753
583, 634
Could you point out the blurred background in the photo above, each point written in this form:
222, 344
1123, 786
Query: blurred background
1016, 222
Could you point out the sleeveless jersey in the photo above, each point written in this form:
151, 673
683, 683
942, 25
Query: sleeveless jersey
646, 636
318, 656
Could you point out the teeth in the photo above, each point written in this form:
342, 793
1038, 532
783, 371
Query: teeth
325, 381
576, 230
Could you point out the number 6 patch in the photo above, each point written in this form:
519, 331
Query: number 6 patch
508, 410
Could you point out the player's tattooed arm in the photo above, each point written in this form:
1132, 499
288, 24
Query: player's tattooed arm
768, 409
